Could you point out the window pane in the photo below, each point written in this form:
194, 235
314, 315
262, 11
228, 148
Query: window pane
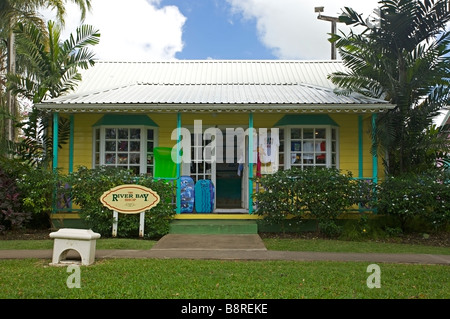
110, 146
123, 158
110, 159
123, 146
296, 158
308, 133
320, 133
308, 158
110, 133
135, 158
296, 146
135, 134
123, 133
295, 133
150, 135
135, 146
308, 146
321, 158
333, 134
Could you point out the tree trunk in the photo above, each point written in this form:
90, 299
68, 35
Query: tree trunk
11, 102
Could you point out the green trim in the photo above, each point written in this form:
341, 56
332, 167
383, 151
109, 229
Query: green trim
55, 154
374, 153
306, 119
360, 146
55, 139
178, 210
71, 143
250, 163
125, 119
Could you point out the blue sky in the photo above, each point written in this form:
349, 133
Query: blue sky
212, 29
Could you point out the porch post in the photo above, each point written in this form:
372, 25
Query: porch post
178, 201
71, 142
250, 163
374, 151
55, 140
55, 155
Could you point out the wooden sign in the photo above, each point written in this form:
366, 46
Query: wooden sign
130, 199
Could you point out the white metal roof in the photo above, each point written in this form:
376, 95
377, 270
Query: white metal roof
209, 85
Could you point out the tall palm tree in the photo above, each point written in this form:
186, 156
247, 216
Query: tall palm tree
25, 11
403, 58
53, 70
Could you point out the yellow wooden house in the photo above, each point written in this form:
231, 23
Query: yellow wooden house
122, 112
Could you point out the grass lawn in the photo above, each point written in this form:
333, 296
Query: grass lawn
213, 279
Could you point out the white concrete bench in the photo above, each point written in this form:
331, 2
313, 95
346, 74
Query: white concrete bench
82, 241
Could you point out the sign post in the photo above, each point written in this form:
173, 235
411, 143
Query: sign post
129, 199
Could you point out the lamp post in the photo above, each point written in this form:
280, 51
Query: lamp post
334, 21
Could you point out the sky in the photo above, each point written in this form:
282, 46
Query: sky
148, 30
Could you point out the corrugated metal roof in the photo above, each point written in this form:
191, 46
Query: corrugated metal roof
211, 82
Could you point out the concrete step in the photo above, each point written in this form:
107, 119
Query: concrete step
213, 226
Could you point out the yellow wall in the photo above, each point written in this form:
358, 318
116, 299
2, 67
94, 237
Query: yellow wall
348, 135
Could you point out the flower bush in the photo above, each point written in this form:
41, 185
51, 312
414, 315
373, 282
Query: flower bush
416, 196
320, 193
87, 185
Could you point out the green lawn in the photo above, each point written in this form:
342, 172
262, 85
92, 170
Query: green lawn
213, 279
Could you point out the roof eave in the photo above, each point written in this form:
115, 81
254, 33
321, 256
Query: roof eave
218, 107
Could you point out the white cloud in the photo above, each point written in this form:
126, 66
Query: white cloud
291, 28
135, 30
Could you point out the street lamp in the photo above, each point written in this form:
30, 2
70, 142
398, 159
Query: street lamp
334, 21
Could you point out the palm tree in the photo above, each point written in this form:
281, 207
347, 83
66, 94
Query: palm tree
404, 59
25, 11
52, 71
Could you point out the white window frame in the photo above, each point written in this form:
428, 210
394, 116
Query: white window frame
328, 140
143, 145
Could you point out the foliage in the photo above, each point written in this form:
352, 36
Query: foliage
11, 215
37, 188
53, 64
322, 194
411, 196
52, 71
87, 186
402, 56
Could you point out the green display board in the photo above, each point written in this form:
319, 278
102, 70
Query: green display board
164, 166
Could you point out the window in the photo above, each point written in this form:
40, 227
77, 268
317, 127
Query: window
308, 146
200, 168
128, 147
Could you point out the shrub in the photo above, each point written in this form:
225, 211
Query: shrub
411, 196
37, 187
40, 189
319, 193
11, 215
87, 185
